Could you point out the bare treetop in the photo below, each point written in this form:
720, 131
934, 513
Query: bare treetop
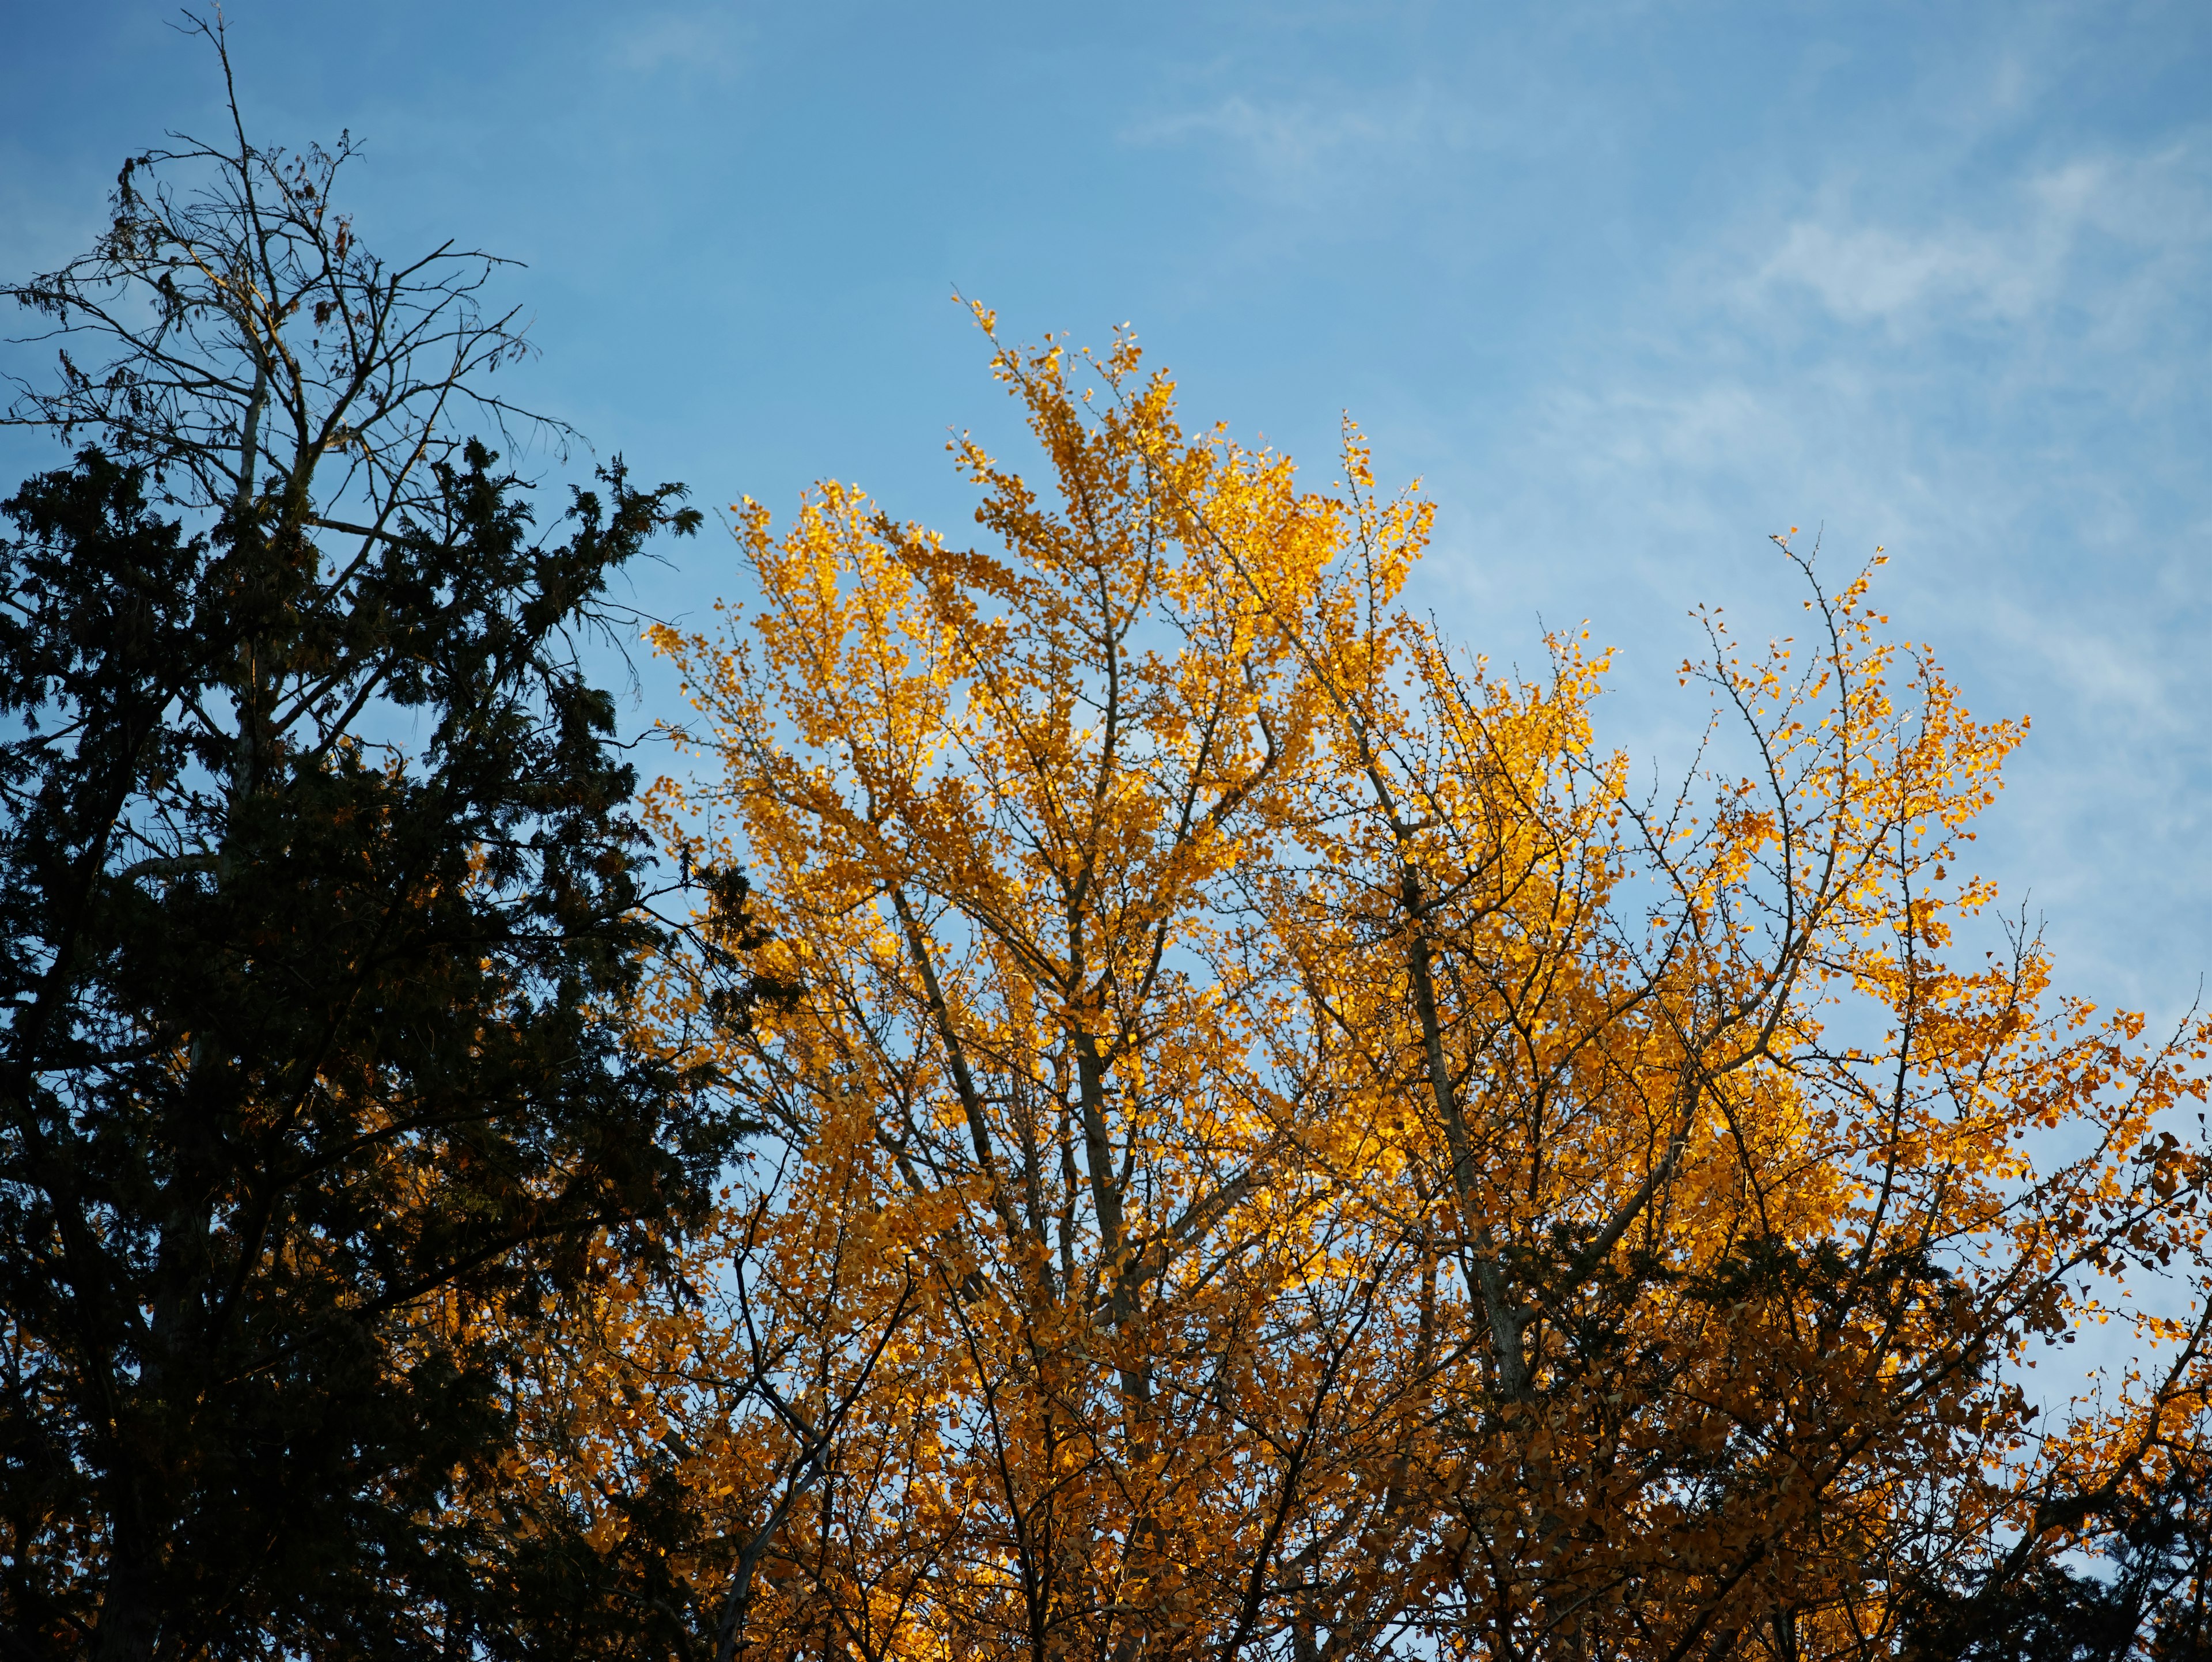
231, 332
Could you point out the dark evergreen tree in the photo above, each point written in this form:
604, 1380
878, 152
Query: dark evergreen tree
316, 1081
323, 922
2147, 1601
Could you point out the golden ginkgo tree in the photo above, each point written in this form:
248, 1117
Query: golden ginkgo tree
1263, 1143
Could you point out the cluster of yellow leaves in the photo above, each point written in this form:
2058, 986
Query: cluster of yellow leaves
1270, 1146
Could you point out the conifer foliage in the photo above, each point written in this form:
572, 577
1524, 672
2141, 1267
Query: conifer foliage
321, 904
1190, 1118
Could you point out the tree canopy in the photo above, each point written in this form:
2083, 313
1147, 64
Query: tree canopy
323, 911
1277, 1148
1125, 1098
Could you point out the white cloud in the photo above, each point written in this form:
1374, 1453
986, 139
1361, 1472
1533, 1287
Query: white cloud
1999, 370
706, 42
2101, 664
1861, 273
2081, 231
1304, 151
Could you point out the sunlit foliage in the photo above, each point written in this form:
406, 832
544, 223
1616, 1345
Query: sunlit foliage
1265, 1141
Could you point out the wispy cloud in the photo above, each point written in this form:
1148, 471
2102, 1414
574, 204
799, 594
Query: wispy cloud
708, 42
2001, 372
1305, 150
2124, 234
1863, 272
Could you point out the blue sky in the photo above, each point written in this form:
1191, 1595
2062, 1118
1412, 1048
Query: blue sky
1629, 286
